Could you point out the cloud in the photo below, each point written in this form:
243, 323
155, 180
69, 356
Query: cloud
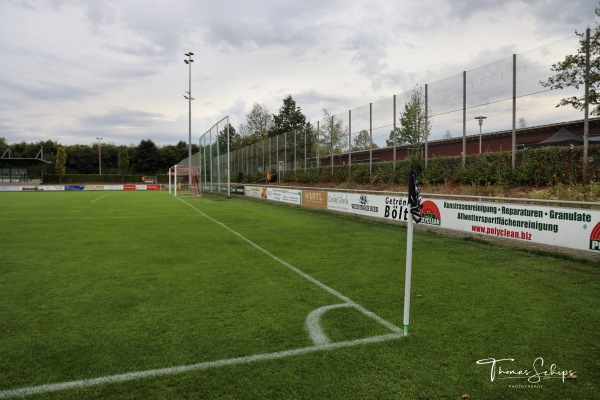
74, 69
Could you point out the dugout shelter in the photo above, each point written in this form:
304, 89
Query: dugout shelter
19, 170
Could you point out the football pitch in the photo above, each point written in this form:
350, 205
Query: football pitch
140, 295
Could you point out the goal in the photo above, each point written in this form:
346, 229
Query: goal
184, 181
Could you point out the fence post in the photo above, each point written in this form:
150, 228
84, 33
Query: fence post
464, 152
370, 140
305, 139
394, 134
514, 115
331, 145
349, 141
426, 126
285, 150
318, 145
586, 104
228, 162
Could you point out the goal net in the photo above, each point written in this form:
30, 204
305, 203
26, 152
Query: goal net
184, 181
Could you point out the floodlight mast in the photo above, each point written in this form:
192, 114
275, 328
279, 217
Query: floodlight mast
99, 156
189, 97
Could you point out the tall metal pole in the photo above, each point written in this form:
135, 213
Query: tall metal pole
426, 130
349, 141
586, 103
514, 114
480, 118
99, 156
189, 62
370, 140
395, 133
228, 161
464, 152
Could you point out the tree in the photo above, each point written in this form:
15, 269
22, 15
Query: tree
362, 141
259, 121
82, 159
571, 72
110, 158
123, 161
181, 149
332, 139
522, 122
222, 138
146, 158
448, 134
24, 150
168, 156
290, 117
414, 127
61, 162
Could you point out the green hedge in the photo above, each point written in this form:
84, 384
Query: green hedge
86, 178
533, 167
548, 166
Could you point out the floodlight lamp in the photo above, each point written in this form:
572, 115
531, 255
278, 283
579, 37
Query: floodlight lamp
186, 61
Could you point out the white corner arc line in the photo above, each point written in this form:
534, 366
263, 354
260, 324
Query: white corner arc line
313, 324
332, 291
130, 376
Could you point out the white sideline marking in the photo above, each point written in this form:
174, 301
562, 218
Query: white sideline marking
98, 198
334, 292
130, 376
99, 217
313, 325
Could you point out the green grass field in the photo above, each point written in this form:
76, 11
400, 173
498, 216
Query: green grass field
139, 295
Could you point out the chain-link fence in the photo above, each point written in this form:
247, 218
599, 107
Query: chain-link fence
507, 95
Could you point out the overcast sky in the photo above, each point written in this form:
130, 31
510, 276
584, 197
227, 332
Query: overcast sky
74, 70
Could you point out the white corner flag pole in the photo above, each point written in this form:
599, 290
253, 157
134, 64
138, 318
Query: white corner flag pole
407, 278
415, 204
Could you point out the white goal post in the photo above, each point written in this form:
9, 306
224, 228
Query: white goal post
185, 180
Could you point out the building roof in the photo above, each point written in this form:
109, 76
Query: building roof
22, 162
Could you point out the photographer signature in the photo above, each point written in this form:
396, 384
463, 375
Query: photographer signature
498, 370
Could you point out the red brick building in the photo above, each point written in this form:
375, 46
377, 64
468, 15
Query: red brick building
565, 133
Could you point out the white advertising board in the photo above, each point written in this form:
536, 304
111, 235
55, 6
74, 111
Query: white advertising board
557, 226
11, 188
291, 196
256, 191
51, 188
372, 205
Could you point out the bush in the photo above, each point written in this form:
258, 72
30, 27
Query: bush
106, 178
540, 167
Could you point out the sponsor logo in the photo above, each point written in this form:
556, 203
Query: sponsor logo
364, 205
595, 238
430, 214
314, 199
396, 208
